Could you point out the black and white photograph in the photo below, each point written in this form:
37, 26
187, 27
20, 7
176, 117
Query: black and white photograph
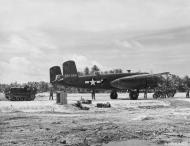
94, 72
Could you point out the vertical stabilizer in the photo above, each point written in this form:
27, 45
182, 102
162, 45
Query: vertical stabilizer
69, 69
54, 71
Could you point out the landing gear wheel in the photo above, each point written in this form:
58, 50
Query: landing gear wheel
173, 94
113, 95
155, 96
170, 94
32, 97
133, 95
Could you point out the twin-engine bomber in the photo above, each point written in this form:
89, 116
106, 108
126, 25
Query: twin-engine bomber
130, 82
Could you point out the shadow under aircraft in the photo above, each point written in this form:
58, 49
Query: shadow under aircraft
132, 82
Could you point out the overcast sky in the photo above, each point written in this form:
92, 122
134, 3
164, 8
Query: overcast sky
141, 35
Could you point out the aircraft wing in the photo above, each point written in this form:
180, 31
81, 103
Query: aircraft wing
141, 81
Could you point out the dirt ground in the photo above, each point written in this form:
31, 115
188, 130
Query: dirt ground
43, 122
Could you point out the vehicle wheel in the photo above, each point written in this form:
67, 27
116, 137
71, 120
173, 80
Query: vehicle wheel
7, 97
155, 96
18, 98
133, 95
163, 95
21, 98
32, 97
13, 98
113, 95
158, 94
169, 94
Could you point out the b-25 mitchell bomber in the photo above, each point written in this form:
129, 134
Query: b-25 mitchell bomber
131, 82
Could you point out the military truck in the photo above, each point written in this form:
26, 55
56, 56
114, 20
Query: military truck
25, 93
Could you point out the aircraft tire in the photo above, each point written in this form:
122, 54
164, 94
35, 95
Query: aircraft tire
133, 95
113, 95
155, 96
173, 94
170, 94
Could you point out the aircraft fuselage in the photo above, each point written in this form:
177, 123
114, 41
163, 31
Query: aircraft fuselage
105, 82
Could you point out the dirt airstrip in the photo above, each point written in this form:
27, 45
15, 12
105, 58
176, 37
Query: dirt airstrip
43, 122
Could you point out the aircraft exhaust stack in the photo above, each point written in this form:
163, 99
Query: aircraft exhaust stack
54, 71
69, 69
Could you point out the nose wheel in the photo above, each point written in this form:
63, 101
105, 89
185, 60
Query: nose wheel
133, 95
113, 94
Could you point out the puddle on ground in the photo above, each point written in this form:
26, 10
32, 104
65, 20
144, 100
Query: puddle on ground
135, 142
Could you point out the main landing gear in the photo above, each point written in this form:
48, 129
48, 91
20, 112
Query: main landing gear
113, 94
133, 95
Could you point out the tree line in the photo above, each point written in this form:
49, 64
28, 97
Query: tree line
95, 69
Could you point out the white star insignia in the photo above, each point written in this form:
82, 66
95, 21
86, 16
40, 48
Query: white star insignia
92, 82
